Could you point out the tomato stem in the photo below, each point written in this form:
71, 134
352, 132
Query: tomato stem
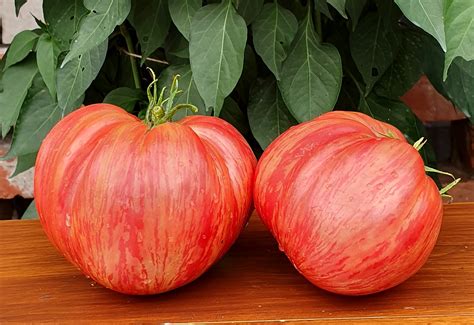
161, 110
418, 145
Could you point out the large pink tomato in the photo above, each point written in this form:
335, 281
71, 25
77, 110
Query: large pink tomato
348, 201
140, 210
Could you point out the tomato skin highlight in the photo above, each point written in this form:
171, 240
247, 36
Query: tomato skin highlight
352, 209
143, 211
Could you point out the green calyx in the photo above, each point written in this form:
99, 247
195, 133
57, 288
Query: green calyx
161, 110
443, 192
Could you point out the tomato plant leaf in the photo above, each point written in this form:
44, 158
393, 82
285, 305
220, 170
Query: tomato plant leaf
429, 15
62, 18
23, 43
31, 213
39, 114
24, 162
390, 14
97, 25
151, 20
354, 9
406, 68
249, 9
189, 93
267, 113
459, 29
16, 81
372, 48
433, 64
248, 77
311, 75
176, 45
125, 97
399, 115
2, 64
18, 5
460, 85
273, 32
216, 51
322, 6
232, 113
340, 6
77, 75
182, 11
47, 53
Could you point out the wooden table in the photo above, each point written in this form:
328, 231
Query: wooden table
254, 282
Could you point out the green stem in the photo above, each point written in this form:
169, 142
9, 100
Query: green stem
161, 110
418, 145
133, 62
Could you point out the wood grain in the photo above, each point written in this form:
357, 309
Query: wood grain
253, 282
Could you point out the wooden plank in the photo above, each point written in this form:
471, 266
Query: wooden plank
253, 282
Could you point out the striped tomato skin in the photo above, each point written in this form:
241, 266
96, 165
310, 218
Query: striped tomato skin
351, 207
143, 211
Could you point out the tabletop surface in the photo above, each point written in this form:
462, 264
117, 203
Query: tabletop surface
253, 282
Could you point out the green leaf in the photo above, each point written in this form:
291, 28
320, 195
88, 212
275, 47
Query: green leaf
406, 69
273, 31
399, 115
16, 81
31, 213
2, 65
248, 77
311, 75
354, 9
372, 48
268, 115
182, 11
428, 15
322, 6
340, 6
63, 17
176, 45
296, 7
18, 5
249, 9
25, 162
116, 72
433, 64
151, 20
125, 97
390, 13
77, 75
39, 114
232, 113
42, 26
189, 93
393, 112
459, 29
47, 53
96, 27
460, 86
216, 50
23, 43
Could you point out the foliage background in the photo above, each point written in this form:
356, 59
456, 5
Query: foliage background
262, 65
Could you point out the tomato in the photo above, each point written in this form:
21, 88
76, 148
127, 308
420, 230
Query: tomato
143, 210
348, 201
